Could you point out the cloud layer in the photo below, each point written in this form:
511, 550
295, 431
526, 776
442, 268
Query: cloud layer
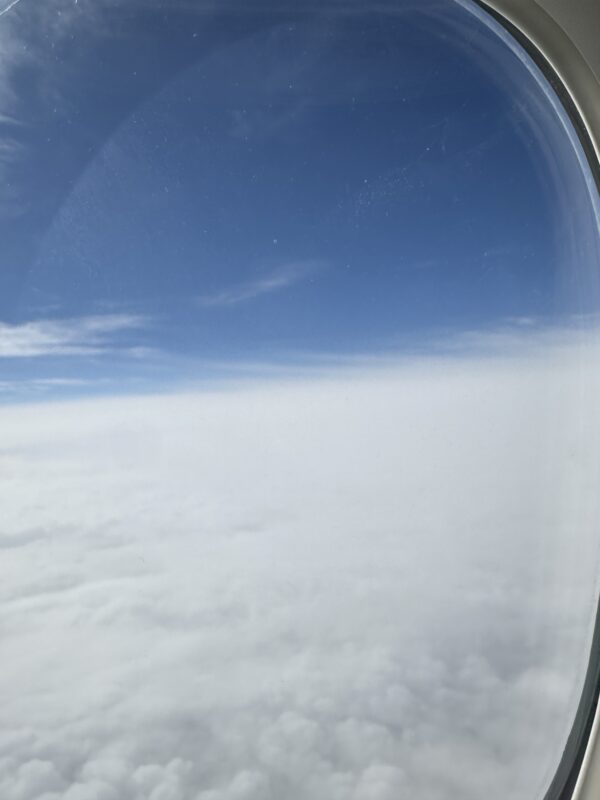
372, 586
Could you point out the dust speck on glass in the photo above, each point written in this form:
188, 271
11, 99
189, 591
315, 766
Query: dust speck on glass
298, 432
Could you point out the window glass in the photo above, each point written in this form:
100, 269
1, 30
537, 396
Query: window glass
298, 426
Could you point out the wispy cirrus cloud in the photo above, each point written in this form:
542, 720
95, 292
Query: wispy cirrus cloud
275, 281
8, 7
66, 337
29, 34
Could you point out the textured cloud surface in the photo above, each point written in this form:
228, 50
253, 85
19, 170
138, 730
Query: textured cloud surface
372, 586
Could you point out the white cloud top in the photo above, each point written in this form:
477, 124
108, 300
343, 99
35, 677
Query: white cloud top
366, 587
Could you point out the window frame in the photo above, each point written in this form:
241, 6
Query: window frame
540, 27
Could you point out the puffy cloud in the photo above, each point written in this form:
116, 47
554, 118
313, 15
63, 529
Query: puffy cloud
374, 584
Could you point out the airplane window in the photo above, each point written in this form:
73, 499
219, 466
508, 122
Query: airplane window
299, 441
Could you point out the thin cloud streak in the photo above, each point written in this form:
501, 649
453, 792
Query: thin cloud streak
276, 281
65, 337
8, 7
41, 386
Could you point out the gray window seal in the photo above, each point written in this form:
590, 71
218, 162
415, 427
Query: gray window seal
552, 32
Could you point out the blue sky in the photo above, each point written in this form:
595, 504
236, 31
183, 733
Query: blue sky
242, 186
